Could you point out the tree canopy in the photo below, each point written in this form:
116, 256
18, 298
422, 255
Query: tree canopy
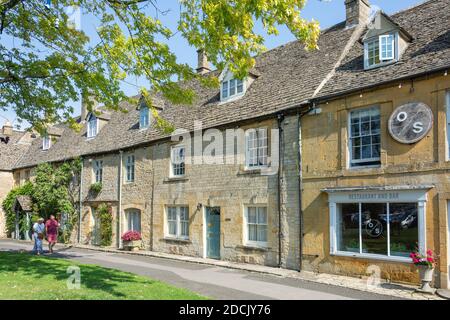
45, 61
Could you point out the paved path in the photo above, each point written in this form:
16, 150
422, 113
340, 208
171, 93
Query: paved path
211, 281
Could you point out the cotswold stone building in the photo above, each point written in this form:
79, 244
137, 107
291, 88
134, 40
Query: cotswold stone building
332, 160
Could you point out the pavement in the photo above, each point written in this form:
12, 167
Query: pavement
229, 281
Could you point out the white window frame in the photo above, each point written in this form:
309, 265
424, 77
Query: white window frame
252, 243
144, 117
353, 164
404, 196
226, 94
133, 212
130, 162
259, 149
178, 223
386, 41
46, 142
174, 162
98, 171
384, 60
90, 123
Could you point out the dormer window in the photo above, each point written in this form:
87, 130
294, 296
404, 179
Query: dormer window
231, 88
46, 142
384, 43
380, 50
144, 118
92, 126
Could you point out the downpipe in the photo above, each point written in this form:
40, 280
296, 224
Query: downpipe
280, 119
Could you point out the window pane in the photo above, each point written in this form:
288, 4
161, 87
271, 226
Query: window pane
347, 229
172, 228
262, 233
225, 89
171, 213
251, 215
262, 215
240, 86
252, 232
403, 228
374, 231
232, 87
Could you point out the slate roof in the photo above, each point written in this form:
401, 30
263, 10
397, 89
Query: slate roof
286, 76
25, 203
11, 152
428, 24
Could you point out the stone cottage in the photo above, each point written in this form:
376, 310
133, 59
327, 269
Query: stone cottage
332, 160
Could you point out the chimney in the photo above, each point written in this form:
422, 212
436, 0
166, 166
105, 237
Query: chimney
7, 129
203, 64
357, 12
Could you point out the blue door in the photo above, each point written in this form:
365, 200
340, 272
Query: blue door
213, 232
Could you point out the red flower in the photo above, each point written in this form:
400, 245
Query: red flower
131, 236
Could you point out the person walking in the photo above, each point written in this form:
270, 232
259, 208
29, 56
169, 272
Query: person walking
51, 230
38, 235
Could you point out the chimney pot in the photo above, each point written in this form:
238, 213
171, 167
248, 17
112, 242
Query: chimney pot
357, 12
203, 64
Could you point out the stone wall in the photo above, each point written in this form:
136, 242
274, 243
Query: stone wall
6, 184
324, 141
227, 186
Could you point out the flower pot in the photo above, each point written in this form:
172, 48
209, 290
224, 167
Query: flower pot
426, 276
134, 245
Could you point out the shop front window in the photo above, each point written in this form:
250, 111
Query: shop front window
387, 229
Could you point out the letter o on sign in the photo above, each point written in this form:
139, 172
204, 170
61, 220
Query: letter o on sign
411, 122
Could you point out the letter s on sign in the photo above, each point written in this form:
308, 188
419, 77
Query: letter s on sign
418, 127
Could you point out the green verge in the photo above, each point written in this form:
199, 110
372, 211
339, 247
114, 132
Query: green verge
28, 277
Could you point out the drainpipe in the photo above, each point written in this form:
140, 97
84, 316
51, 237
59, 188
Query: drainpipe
300, 183
280, 118
119, 209
80, 211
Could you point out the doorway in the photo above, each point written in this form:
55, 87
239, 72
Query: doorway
212, 221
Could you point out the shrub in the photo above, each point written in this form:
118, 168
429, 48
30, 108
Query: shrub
96, 187
8, 202
131, 236
105, 217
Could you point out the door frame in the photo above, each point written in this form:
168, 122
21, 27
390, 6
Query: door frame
205, 229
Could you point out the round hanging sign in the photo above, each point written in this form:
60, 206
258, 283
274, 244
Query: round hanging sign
411, 122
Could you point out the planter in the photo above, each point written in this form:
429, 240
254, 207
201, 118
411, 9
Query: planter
426, 276
134, 245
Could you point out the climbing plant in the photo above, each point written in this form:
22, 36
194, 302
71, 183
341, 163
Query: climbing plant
8, 203
56, 191
105, 217
53, 191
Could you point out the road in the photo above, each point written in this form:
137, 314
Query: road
214, 282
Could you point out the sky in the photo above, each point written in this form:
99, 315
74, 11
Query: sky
327, 12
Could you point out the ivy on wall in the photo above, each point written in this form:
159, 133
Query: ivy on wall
54, 190
8, 203
106, 219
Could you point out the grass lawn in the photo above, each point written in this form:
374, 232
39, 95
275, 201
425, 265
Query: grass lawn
25, 276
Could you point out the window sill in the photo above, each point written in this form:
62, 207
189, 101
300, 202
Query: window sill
175, 179
176, 240
253, 247
371, 257
244, 172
